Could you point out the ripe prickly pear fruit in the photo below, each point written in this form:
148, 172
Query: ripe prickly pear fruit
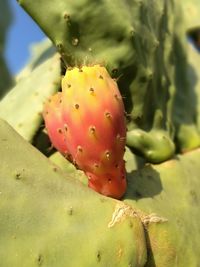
93, 127
54, 122
111, 183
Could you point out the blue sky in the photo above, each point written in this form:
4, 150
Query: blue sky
23, 32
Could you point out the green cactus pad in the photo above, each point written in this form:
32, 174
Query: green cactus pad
68, 167
23, 105
155, 146
147, 54
194, 78
6, 80
191, 9
169, 192
37, 200
185, 102
51, 220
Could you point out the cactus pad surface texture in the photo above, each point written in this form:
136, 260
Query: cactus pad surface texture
46, 216
22, 106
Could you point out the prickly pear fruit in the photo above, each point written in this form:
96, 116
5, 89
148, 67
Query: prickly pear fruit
54, 122
91, 127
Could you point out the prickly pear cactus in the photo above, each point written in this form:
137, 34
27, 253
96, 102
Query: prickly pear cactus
47, 208
86, 124
146, 51
192, 27
191, 13
15, 107
45, 215
169, 193
130, 50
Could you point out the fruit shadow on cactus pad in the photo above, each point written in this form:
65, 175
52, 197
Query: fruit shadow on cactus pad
86, 123
143, 183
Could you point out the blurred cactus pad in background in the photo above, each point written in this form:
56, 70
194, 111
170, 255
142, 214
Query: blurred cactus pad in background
48, 215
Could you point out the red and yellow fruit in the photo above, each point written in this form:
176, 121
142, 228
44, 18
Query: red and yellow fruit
86, 123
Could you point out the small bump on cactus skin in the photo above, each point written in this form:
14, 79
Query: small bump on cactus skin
93, 125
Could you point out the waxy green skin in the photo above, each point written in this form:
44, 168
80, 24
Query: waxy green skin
45, 214
169, 190
23, 105
40, 205
86, 123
